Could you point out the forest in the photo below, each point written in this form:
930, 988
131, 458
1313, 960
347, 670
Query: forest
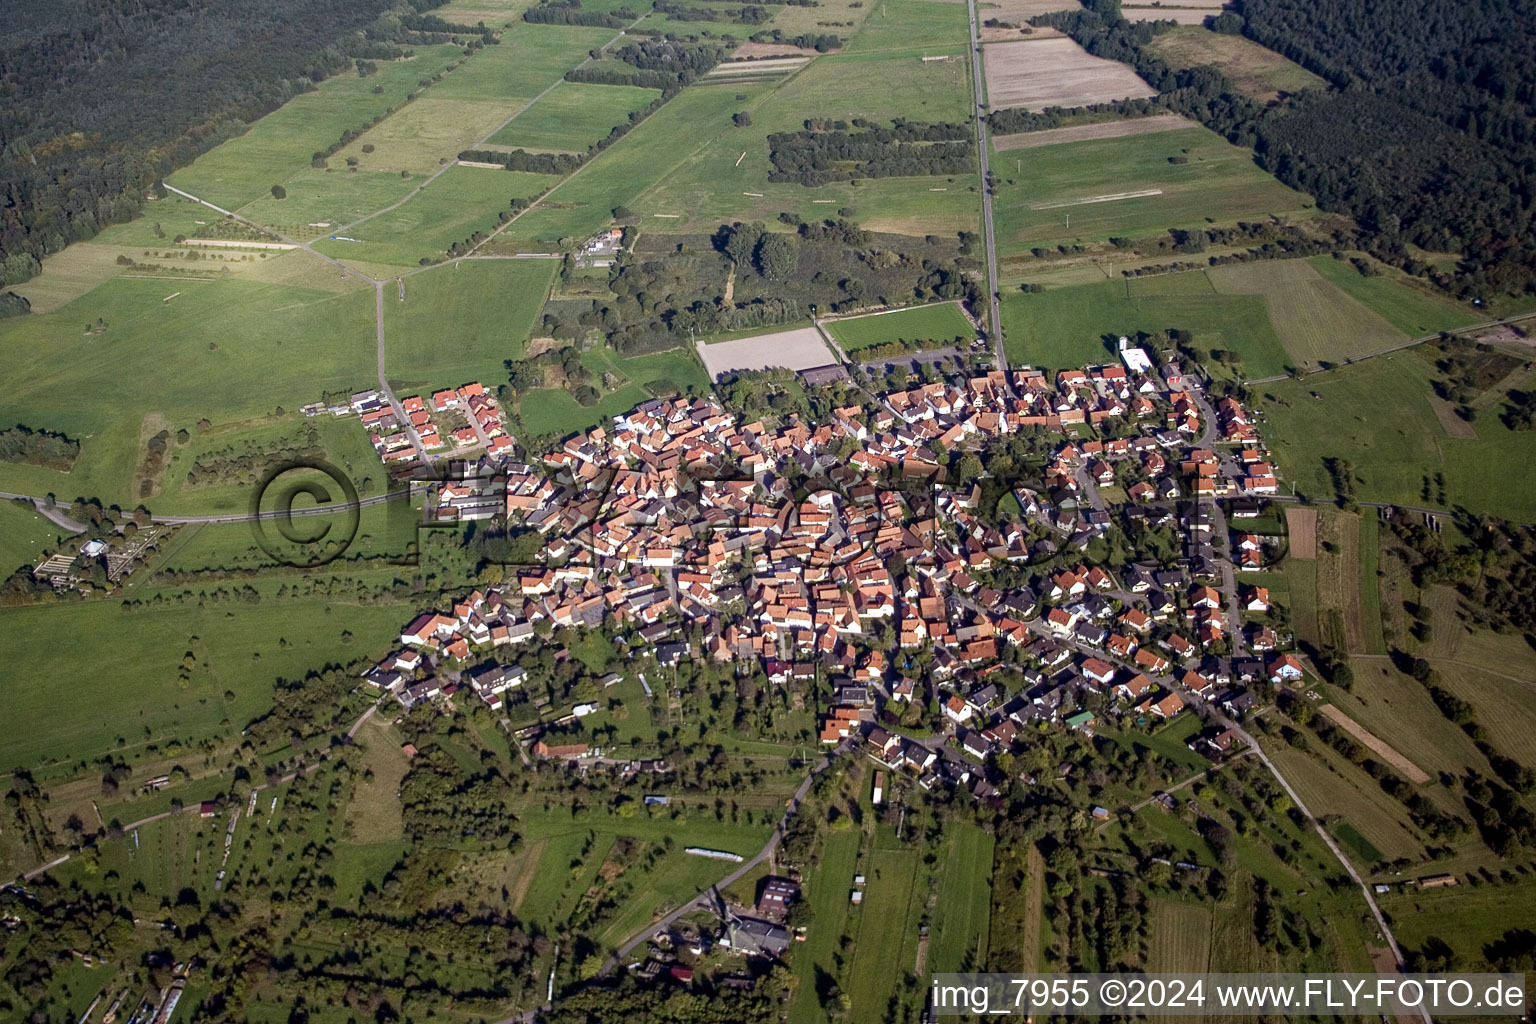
39, 447
817, 155
80, 139
1428, 138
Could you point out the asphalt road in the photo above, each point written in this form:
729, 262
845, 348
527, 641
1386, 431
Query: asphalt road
979, 93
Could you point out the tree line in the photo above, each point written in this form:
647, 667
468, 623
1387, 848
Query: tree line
908, 149
38, 447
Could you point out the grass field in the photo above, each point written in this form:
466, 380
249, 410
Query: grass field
617, 176
226, 349
459, 203
827, 890
712, 185
461, 322
1398, 710
962, 913
1467, 918
1503, 704
334, 196
1066, 327
1357, 844
1330, 785
898, 22
660, 372
1315, 320
1301, 579
23, 536
883, 931
573, 117
1180, 937
1371, 639
63, 705
1376, 415
282, 143
1040, 189
1408, 305
1256, 71
939, 325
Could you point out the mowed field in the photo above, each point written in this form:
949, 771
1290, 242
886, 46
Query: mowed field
281, 144
940, 325
1255, 70
1086, 132
1316, 320
1407, 304
1376, 414
1055, 72
461, 322
1129, 186
573, 117
1066, 327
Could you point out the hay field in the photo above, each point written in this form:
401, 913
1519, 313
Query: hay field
1317, 322
1181, 936
1086, 132
1255, 70
1328, 784
800, 349
1040, 73
1399, 709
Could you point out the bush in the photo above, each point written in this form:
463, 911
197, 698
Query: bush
278, 192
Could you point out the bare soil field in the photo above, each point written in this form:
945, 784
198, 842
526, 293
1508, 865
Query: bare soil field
1082, 132
1453, 424
1036, 74
1410, 771
799, 349
1302, 525
1182, 15
777, 64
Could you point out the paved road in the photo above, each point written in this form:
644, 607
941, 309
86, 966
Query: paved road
979, 94
56, 517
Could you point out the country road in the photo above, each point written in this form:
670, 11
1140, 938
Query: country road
234, 517
978, 92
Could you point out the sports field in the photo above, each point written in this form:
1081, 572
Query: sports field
1256, 71
1067, 327
573, 117
1091, 190
937, 326
462, 322
281, 144
1375, 414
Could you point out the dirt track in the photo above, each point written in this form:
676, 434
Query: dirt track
1404, 767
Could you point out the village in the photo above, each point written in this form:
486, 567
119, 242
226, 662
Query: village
838, 558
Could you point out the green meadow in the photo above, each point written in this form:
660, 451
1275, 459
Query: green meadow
280, 144
462, 201
1066, 327
939, 324
1408, 305
585, 201
227, 349
896, 24
461, 322
24, 534
1376, 414
334, 197
726, 179
1198, 178
107, 674
573, 117
528, 60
